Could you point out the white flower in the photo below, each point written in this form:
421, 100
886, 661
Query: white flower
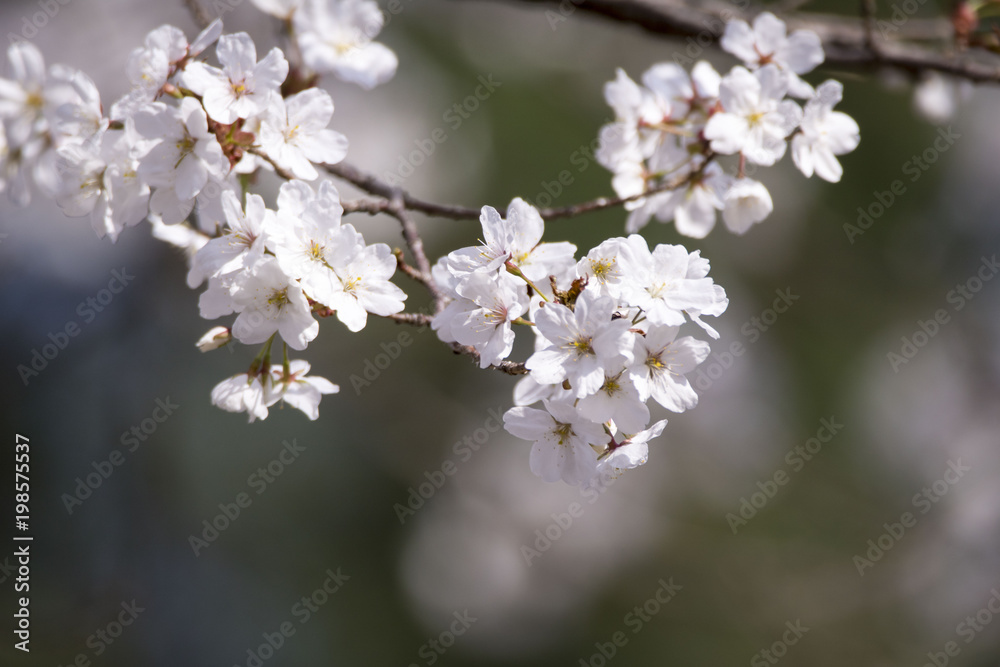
283, 9
616, 400
666, 288
516, 239
298, 390
241, 393
482, 315
604, 268
824, 134
679, 91
214, 338
23, 96
747, 202
692, 207
185, 154
102, 181
755, 119
293, 133
631, 452
562, 438
336, 36
165, 48
243, 87
242, 244
269, 301
78, 118
584, 342
660, 363
363, 273
937, 97
308, 238
768, 43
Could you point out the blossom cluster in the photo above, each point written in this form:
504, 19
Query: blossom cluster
183, 147
670, 131
189, 136
605, 336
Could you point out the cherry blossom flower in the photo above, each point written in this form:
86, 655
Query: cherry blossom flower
767, 42
242, 244
824, 134
660, 362
481, 316
746, 203
269, 301
562, 439
336, 36
631, 452
101, 181
242, 393
243, 87
665, 290
617, 400
183, 156
293, 133
299, 391
584, 343
755, 119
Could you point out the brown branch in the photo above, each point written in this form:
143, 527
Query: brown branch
845, 39
508, 367
406, 268
414, 319
373, 185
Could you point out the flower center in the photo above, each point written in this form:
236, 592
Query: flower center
602, 268
583, 346
278, 298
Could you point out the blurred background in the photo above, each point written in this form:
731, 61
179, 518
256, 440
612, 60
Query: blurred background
587, 595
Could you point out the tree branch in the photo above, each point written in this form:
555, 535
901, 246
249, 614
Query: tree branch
508, 367
845, 39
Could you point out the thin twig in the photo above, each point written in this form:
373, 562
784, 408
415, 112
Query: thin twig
844, 39
406, 268
508, 367
413, 319
373, 185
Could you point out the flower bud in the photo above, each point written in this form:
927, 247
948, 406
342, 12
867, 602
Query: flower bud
215, 338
